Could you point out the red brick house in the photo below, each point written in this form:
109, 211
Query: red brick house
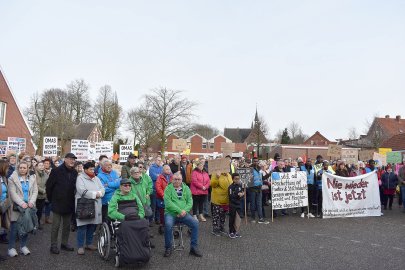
318, 139
12, 121
396, 142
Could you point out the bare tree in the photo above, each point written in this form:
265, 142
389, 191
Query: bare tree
295, 133
107, 112
78, 92
205, 130
353, 133
172, 112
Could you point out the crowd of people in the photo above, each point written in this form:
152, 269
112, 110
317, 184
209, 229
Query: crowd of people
166, 191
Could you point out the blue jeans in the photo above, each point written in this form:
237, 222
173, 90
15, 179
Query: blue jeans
13, 236
85, 231
153, 206
403, 195
187, 220
256, 204
206, 206
47, 209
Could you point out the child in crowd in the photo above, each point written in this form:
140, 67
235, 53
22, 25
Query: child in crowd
235, 196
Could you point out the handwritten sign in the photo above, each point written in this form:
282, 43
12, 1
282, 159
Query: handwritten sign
289, 190
380, 159
50, 147
104, 148
16, 145
125, 151
334, 151
3, 148
246, 175
227, 148
220, 165
350, 197
179, 145
394, 157
80, 148
351, 156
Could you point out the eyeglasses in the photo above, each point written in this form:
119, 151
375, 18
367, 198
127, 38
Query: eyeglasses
140, 167
126, 185
177, 179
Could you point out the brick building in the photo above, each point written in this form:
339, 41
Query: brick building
318, 139
12, 121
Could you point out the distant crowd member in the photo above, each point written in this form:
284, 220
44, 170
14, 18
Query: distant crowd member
401, 182
311, 188
47, 206
42, 178
125, 170
4, 204
89, 186
236, 194
175, 164
60, 190
256, 193
220, 183
178, 202
12, 163
389, 183
111, 182
200, 184
23, 191
154, 171
161, 183
101, 159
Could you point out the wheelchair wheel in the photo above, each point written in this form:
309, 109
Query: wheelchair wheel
117, 261
104, 241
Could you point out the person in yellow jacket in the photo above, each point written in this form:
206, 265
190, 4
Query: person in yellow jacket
220, 183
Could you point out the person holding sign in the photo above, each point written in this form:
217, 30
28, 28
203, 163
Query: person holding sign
236, 195
389, 183
220, 183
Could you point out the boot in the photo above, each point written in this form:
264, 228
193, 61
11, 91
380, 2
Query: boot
48, 220
202, 218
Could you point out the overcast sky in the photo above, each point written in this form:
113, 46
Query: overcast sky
328, 65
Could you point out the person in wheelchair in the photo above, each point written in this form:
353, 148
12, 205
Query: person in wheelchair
178, 203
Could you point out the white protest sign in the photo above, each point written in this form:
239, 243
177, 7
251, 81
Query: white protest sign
80, 148
334, 150
350, 156
104, 148
350, 196
50, 147
3, 148
92, 153
16, 145
289, 190
125, 151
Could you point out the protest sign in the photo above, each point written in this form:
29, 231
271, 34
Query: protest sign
384, 151
80, 148
179, 145
350, 156
289, 190
366, 155
92, 153
3, 148
16, 145
394, 157
104, 148
350, 197
218, 165
246, 175
125, 151
50, 147
334, 151
227, 148
380, 159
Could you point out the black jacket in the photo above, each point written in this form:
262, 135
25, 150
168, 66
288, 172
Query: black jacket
60, 189
234, 199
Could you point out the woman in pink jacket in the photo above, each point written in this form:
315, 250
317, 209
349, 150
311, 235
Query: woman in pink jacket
200, 183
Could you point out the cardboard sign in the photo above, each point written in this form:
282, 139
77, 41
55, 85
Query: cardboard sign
16, 145
289, 190
366, 155
227, 148
50, 147
246, 175
80, 148
125, 151
380, 159
351, 156
3, 148
394, 157
350, 196
179, 145
220, 165
104, 148
334, 151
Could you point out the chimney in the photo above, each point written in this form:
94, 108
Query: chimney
398, 117
387, 116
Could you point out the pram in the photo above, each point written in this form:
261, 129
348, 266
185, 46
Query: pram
129, 239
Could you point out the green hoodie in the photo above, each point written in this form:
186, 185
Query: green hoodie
141, 190
174, 205
116, 198
149, 184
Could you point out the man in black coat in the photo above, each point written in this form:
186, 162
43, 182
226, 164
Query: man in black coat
60, 190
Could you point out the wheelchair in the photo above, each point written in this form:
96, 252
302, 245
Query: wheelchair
107, 241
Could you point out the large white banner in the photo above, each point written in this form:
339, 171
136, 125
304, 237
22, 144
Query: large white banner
289, 190
350, 196
80, 148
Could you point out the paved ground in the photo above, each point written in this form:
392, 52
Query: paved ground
288, 243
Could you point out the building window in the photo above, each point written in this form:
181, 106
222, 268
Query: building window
3, 107
211, 146
204, 146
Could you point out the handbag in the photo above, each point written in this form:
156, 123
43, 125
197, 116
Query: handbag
146, 208
85, 208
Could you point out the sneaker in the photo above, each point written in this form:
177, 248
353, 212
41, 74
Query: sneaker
195, 252
168, 252
25, 251
311, 215
80, 251
195, 217
12, 252
262, 221
216, 233
302, 215
202, 218
91, 247
237, 235
232, 235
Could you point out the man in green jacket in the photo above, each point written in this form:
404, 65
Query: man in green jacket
178, 202
124, 194
139, 186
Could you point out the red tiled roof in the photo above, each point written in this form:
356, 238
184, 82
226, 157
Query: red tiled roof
316, 134
392, 126
396, 142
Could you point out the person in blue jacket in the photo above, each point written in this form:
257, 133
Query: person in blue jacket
318, 198
111, 182
307, 167
154, 171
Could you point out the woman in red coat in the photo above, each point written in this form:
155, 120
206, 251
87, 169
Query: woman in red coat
161, 183
200, 183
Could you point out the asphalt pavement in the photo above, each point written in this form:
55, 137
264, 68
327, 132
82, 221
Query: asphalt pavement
289, 242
